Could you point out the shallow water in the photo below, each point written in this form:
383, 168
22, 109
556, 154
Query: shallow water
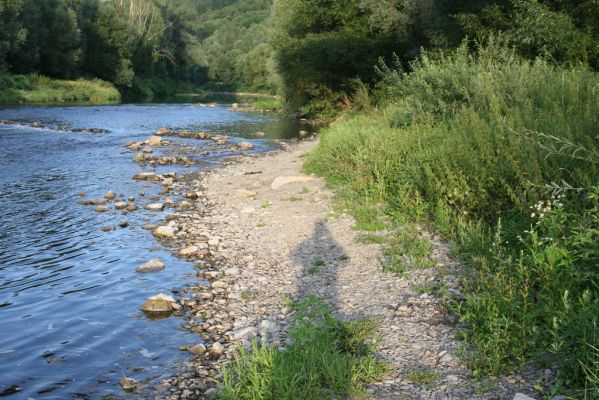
69, 294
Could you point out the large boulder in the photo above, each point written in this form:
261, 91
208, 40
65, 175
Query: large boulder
161, 303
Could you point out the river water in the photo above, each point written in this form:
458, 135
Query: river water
69, 294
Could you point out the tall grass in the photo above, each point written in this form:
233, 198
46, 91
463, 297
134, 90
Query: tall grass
40, 89
328, 359
500, 155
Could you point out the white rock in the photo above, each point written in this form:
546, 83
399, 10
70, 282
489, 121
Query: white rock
154, 140
217, 349
198, 349
245, 145
219, 285
231, 271
188, 251
522, 396
164, 232
154, 206
110, 195
151, 266
244, 333
281, 181
120, 205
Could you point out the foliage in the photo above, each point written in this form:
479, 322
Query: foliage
140, 45
464, 141
328, 359
40, 89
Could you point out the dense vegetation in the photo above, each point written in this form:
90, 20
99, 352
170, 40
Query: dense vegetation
144, 47
499, 154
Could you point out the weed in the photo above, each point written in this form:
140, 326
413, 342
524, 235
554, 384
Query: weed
422, 377
246, 295
292, 198
328, 359
313, 270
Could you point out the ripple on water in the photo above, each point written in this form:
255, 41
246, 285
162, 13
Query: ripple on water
68, 291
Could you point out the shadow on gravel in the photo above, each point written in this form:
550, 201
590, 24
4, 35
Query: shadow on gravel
321, 257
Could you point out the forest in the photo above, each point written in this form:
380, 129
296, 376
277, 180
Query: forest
475, 119
145, 48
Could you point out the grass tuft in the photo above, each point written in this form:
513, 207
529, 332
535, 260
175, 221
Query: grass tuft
329, 359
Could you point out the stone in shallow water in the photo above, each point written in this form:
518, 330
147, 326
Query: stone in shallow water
110, 195
154, 140
161, 303
93, 202
143, 176
151, 266
154, 206
245, 145
128, 383
120, 205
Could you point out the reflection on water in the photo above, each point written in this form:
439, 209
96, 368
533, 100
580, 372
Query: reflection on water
69, 293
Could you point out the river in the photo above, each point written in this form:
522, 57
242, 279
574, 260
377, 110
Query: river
69, 294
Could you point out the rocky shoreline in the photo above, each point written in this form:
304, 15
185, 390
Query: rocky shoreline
262, 234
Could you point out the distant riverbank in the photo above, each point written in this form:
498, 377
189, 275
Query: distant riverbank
37, 89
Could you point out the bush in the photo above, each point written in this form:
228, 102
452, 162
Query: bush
465, 141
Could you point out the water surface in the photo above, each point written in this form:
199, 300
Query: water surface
69, 293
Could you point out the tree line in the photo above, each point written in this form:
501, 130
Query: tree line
318, 53
325, 49
137, 44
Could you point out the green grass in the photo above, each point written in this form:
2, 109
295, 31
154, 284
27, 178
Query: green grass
422, 377
40, 89
267, 104
329, 359
292, 198
501, 156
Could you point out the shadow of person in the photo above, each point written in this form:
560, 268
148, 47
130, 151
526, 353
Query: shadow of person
320, 258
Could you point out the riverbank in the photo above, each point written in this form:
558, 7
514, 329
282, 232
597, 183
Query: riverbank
264, 236
37, 89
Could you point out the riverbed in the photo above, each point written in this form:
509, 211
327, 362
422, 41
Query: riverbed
69, 292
